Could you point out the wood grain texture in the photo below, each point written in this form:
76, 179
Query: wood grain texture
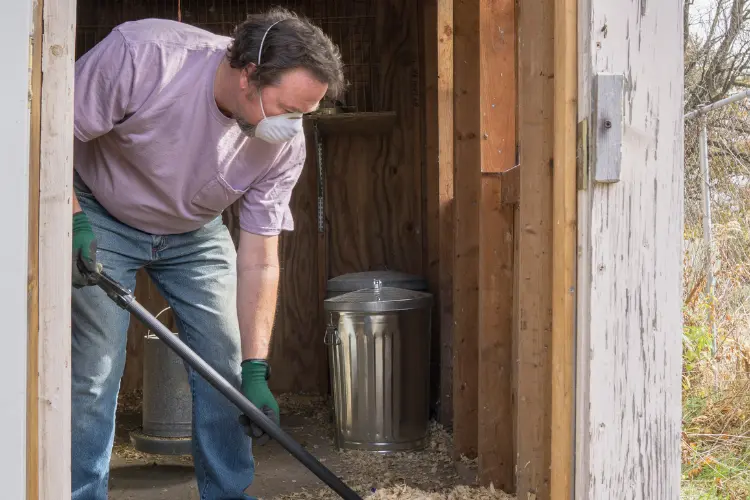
438, 181
428, 42
496, 51
298, 357
55, 251
468, 159
374, 183
495, 426
497, 89
445, 194
564, 235
536, 114
630, 322
509, 193
32, 382
355, 123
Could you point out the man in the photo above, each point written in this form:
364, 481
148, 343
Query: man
172, 125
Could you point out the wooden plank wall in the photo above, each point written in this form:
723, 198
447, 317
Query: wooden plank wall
535, 135
467, 180
437, 41
564, 235
485, 123
374, 183
497, 113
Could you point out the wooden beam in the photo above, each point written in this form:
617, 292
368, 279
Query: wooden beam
496, 52
495, 426
564, 242
629, 320
467, 192
32, 383
536, 115
55, 223
438, 123
509, 194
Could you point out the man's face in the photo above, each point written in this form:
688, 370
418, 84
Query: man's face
296, 92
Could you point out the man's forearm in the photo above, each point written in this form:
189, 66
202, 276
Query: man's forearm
257, 288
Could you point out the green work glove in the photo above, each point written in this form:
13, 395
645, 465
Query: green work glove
255, 374
84, 251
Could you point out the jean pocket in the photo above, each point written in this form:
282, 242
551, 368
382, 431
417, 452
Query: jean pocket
216, 195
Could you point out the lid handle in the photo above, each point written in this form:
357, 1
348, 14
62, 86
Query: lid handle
376, 283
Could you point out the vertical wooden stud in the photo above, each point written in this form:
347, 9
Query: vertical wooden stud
564, 243
32, 408
467, 189
496, 52
55, 226
535, 128
438, 178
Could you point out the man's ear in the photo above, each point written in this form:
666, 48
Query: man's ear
245, 76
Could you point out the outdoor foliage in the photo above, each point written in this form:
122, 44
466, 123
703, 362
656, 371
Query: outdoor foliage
716, 385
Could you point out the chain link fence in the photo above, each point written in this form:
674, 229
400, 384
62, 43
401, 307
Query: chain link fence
717, 240
716, 300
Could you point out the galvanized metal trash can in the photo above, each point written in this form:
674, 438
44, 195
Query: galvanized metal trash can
167, 402
378, 342
351, 282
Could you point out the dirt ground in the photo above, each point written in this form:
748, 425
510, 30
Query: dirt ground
138, 476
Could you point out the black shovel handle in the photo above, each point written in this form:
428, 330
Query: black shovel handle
124, 298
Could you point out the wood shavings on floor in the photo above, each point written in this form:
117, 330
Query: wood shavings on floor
304, 405
455, 493
430, 474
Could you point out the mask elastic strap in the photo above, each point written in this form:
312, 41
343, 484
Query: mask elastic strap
260, 51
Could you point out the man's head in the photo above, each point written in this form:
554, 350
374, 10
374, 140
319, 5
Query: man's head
286, 65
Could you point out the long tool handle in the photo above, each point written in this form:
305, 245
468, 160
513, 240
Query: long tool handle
214, 378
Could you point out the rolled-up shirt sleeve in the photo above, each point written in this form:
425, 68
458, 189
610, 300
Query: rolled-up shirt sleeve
264, 208
103, 86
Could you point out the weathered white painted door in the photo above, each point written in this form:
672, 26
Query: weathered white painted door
630, 244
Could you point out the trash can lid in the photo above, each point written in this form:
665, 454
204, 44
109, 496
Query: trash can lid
378, 298
357, 281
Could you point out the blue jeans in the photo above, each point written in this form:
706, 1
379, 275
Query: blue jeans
196, 274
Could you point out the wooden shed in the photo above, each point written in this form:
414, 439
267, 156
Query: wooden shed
525, 158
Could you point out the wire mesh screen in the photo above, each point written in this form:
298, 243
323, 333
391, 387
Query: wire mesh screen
350, 24
96, 18
717, 239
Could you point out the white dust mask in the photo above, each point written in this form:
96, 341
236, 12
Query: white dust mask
280, 128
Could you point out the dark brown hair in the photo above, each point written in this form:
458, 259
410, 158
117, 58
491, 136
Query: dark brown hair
295, 42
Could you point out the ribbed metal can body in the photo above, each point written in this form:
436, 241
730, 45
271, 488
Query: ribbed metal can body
379, 365
167, 402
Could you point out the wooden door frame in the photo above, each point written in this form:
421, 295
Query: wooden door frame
50, 226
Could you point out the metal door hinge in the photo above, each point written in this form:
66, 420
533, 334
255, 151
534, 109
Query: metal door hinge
582, 155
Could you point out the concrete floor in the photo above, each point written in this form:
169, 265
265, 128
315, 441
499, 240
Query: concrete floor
138, 476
